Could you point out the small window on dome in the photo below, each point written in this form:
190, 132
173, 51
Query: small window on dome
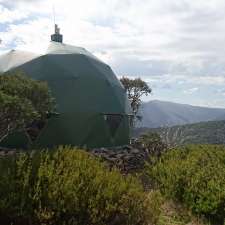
113, 121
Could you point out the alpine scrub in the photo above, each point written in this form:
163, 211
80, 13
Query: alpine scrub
68, 186
194, 175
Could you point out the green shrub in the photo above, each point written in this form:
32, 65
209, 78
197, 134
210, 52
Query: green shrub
194, 175
153, 142
69, 186
24, 102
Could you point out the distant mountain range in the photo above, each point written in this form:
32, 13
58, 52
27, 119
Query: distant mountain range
212, 132
160, 114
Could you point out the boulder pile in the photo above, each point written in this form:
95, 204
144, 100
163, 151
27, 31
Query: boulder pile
127, 158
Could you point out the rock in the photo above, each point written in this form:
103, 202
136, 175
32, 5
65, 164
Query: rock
127, 147
120, 155
128, 158
135, 151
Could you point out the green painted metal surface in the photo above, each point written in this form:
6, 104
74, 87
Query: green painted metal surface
87, 94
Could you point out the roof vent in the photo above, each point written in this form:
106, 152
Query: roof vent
57, 37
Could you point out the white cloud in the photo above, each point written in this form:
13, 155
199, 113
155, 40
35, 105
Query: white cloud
216, 80
191, 91
168, 43
9, 16
148, 29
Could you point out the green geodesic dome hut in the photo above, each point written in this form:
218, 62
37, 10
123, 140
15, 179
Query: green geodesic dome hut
92, 105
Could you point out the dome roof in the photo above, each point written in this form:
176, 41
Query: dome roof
61, 48
92, 103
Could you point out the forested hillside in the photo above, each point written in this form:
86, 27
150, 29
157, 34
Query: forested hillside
212, 132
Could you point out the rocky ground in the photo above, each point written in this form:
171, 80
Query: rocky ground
128, 158
7, 152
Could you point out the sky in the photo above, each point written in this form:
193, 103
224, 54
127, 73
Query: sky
177, 47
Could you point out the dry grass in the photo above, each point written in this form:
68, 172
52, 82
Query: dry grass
175, 214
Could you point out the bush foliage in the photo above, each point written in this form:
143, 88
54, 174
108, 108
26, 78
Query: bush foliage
71, 187
22, 102
153, 143
194, 175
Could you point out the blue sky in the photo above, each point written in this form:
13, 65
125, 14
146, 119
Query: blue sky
175, 46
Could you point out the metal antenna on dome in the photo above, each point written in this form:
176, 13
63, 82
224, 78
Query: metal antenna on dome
57, 37
53, 12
